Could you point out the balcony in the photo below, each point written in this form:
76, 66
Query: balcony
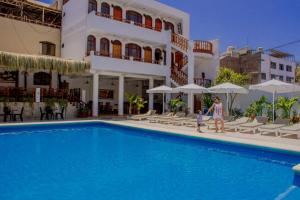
201, 46
203, 82
122, 27
180, 42
125, 64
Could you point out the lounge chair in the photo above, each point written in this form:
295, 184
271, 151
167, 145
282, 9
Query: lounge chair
252, 127
20, 115
290, 131
143, 116
273, 128
193, 122
61, 114
231, 125
156, 118
170, 120
179, 121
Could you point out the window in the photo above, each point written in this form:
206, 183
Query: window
157, 56
263, 76
133, 50
117, 49
92, 5
48, 48
273, 65
281, 78
289, 68
148, 54
273, 76
281, 67
104, 47
169, 26
91, 44
148, 21
134, 17
118, 13
105, 9
289, 79
41, 78
158, 25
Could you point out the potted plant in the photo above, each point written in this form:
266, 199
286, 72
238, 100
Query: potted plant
140, 103
285, 105
131, 100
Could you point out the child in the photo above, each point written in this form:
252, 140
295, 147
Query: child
199, 121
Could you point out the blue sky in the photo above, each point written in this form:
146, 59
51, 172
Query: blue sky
266, 23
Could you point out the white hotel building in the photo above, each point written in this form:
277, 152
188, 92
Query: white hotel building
133, 46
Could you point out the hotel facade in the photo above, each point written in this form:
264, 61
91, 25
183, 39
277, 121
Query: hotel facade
130, 46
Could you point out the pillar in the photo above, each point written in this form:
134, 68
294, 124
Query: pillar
191, 102
191, 63
169, 63
121, 96
95, 94
151, 85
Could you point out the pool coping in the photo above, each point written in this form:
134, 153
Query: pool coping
186, 133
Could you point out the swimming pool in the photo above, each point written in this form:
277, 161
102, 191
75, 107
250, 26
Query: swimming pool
103, 161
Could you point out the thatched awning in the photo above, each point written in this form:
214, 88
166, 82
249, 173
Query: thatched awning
31, 63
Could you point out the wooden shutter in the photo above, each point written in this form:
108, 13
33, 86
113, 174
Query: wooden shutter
118, 13
117, 49
148, 55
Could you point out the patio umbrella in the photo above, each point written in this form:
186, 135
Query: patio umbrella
161, 90
275, 87
227, 88
191, 89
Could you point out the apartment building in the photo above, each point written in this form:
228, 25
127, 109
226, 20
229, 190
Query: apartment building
133, 46
260, 65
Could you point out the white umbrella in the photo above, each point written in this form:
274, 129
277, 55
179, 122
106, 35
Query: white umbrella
161, 90
274, 87
227, 88
191, 89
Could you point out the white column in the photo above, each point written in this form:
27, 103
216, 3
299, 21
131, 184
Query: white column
191, 102
151, 85
121, 95
191, 63
169, 63
95, 94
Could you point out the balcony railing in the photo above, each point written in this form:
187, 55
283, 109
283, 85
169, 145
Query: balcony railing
127, 21
180, 41
124, 57
203, 82
201, 46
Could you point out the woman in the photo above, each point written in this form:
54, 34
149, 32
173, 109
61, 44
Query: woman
218, 113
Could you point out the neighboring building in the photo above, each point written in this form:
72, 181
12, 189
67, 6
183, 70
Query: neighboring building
29, 27
260, 65
130, 46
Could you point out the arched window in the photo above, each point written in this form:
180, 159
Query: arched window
148, 54
158, 25
41, 78
117, 49
105, 9
157, 56
169, 26
92, 5
133, 50
104, 47
91, 44
134, 16
118, 13
148, 21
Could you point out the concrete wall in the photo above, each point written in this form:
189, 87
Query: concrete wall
23, 37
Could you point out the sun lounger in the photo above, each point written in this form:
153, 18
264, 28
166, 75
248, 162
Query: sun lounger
273, 128
290, 131
156, 118
170, 120
143, 116
230, 125
252, 127
193, 122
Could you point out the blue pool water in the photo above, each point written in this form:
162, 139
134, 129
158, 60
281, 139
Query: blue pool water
100, 161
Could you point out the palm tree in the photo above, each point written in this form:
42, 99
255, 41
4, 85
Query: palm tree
131, 99
140, 103
286, 104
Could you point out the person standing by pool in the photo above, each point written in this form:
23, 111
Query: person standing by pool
218, 113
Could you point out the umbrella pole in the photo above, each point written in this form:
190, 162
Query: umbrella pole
163, 103
227, 96
273, 106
